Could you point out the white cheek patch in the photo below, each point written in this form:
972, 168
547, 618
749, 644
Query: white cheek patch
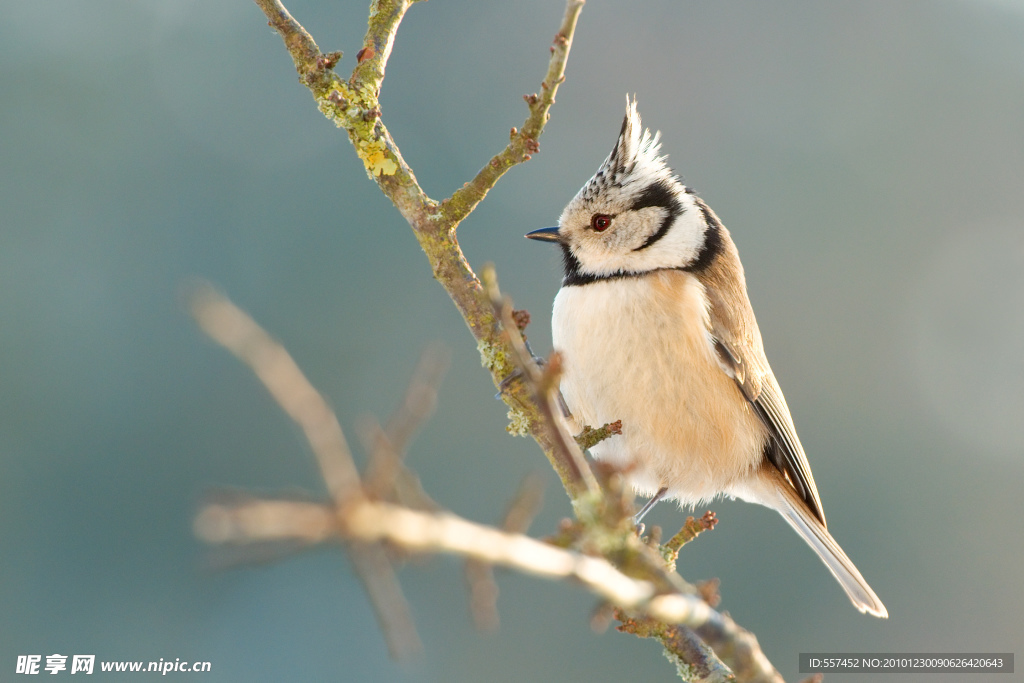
604, 251
618, 252
643, 224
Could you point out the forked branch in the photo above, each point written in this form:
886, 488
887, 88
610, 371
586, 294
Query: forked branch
363, 523
371, 514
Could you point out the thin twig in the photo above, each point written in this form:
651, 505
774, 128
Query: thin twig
524, 506
483, 595
300, 44
236, 331
591, 436
271, 363
393, 614
259, 520
543, 383
523, 143
483, 588
692, 528
385, 16
387, 446
417, 531
420, 398
354, 105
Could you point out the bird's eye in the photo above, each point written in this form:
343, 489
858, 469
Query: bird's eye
600, 222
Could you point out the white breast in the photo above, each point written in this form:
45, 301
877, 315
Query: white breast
637, 349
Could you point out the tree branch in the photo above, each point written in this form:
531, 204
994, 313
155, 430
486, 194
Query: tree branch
569, 461
523, 143
612, 562
362, 522
368, 521
355, 107
443, 532
232, 328
299, 43
695, 661
385, 16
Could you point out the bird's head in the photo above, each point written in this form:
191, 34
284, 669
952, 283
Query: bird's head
632, 217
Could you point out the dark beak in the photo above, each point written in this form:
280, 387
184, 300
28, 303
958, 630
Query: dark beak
544, 235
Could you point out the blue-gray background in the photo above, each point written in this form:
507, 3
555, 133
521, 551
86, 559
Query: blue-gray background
867, 157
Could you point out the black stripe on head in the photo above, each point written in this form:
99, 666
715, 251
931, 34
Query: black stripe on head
660, 194
712, 238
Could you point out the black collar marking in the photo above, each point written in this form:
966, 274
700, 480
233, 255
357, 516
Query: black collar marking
712, 239
574, 277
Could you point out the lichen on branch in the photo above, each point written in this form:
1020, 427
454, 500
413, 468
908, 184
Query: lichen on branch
606, 556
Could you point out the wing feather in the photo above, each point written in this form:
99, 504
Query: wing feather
785, 451
738, 343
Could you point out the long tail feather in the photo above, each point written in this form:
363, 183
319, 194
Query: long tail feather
795, 511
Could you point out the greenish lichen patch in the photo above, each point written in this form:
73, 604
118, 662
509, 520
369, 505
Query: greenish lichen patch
518, 423
334, 103
492, 356
685, 671
591, 436
357, 110
374, 154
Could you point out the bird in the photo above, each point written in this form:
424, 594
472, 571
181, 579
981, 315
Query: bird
655, 328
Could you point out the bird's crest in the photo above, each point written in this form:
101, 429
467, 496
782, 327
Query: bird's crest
635, 158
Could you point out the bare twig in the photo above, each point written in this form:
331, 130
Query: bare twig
483, 588
271, 363
237, 332
543, 383
591, 436
378, 576
385, 16
417, 531
387, 446
483, 595
524, 506
523, 142
258, 520
300, 44
420, 397
691, 530
644, 587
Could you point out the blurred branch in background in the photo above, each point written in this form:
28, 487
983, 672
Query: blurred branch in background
367, 525
385, 508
